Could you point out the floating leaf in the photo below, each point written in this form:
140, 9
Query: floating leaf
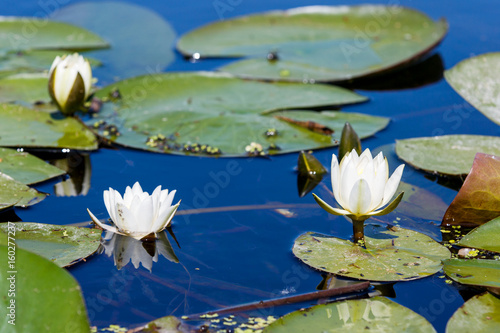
391, 254
63, 245
15, 193
318, 43
198, 113
478, 201
23, 127
168, 324
446, 154
310, 173
27, 88
26, 168
125, 26
476, 79
477, 272
29, 33
47, 298
377, 314
485, 237
419, 202
479, 315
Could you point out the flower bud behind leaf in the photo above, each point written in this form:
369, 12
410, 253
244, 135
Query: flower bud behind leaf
70, 80
349, 140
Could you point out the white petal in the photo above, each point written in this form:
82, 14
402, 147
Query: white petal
378, 184
126, 221
128, 196
144, 216
392, 184
347, 181
164, 219
168, 201
102, 225
137, 189
360, 198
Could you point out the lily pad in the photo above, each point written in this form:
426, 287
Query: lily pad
446, 154
16, 193
168, 324
63, 245
23, 127
47, 298
391, 254
477, 272
419, 202
476, 79
478, 201
26, 168
377, 314
180, 112
485, 237
480, 314
125, 26
319, 43
29, 33
32, 61
28, 88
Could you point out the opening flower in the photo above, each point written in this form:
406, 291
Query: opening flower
361, 185
138, 214
70, 79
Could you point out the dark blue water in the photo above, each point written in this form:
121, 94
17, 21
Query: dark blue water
232, 257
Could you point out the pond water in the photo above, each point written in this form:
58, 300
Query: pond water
232, 250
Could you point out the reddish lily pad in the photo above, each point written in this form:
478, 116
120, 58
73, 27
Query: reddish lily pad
478, 201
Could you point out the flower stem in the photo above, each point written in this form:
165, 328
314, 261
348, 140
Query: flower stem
358, 226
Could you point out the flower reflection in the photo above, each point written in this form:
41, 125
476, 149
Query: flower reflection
125, 249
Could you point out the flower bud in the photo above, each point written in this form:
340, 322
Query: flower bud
70, 79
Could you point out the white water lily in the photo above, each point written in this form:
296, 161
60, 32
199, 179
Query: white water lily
70, 79
362, 187
138, 214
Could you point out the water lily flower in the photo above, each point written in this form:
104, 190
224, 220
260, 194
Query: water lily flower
362, 187
70, 79
138, 214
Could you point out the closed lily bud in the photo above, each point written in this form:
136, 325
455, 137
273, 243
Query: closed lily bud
70, 79
349, 140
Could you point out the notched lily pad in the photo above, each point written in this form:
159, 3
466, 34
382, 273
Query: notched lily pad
377, 314
480, 314
215, 114
318, 43
391, 254
446, 154
168, 324
478, 200
26, 168
16, 193
477, 272
63, 245
23, 127
485, 237
477, 81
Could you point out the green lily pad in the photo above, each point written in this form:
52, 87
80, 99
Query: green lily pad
63, 245
476, 80
485, 237
26, 168
27, 87
480, 314
391, 254
47, 298
16, 193
168, 324
23, 127
377, 314
180, 112
319, 43
29, 33
478, 200
32, 61
125, 26
446, 154
477, 272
